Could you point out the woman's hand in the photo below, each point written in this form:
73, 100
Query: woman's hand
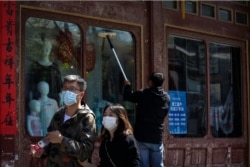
95, 159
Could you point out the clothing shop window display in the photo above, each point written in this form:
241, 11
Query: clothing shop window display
45, 70
34, 126
49, 106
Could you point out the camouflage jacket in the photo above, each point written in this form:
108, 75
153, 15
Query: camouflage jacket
78, 132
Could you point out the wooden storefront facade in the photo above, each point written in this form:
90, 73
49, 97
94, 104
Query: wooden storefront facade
149, 36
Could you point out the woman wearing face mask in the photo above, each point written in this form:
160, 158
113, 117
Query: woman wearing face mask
118, 145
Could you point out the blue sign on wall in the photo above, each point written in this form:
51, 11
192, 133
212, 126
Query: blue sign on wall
177, 116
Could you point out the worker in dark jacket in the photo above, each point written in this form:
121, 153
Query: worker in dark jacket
152, 108
71, 131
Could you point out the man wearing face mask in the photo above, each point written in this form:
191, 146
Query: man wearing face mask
71, 131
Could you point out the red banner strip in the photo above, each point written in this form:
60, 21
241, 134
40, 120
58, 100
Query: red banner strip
8, 68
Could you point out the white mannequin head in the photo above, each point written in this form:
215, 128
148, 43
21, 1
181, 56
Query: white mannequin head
43, 88
35, 106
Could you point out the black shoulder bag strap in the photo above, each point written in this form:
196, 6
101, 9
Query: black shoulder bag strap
109, 155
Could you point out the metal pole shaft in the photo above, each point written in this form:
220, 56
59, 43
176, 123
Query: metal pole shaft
123, 73
117, 59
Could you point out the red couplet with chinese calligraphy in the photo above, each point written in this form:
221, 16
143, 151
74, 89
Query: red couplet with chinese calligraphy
8, 69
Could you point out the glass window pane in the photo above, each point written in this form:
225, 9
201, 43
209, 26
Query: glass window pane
208, 10
225, 110
225, 15
241, 18
170, 4
186, 79
105, 79
191, 6
52, 50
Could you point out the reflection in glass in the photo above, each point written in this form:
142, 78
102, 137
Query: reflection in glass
225, 110
105, 79
187, 69
52, 50
186, 74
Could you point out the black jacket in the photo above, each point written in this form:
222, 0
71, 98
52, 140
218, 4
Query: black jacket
152, 107
77, 143
123, 151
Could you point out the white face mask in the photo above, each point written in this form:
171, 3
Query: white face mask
109, 122
69, 98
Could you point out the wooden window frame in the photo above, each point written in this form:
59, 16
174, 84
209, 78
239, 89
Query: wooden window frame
177, 6
227, 9
196, 2
237, 11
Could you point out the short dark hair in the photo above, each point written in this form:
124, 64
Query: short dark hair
157, 78
72, 78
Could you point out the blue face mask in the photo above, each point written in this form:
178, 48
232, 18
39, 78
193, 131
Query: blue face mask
69, 98
61, 95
